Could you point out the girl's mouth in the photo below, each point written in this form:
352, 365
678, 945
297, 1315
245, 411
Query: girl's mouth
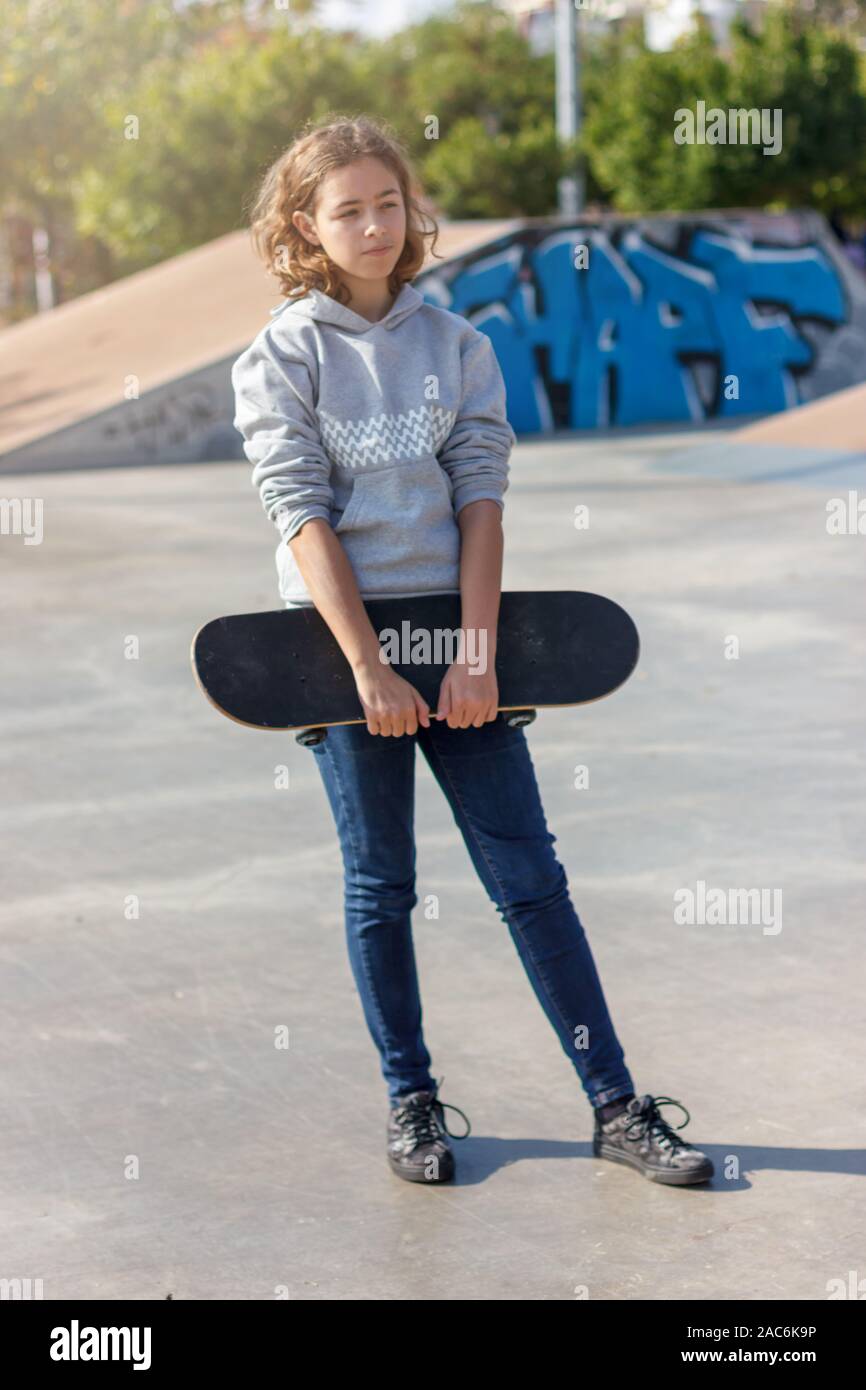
378, 251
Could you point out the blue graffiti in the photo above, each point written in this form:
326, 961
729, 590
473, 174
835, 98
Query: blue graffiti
591, 332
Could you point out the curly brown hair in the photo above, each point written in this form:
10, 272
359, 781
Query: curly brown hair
291, 184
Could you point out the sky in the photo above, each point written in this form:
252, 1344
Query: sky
379, 19
375, 18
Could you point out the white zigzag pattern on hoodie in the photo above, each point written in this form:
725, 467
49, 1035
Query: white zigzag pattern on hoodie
386, 438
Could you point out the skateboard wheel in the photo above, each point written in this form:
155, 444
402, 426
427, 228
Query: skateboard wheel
517, 718
307, 737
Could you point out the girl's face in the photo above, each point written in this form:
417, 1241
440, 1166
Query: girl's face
360, 220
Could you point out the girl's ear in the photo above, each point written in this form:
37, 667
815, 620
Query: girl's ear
303, 223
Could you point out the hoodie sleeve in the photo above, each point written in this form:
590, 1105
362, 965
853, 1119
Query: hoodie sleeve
475, 454
274, 412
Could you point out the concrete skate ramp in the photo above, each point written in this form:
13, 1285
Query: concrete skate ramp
138, 371
821, 444
836, 422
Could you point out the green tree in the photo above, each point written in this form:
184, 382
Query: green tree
812, 74
476, 110
137, 129
61, 66
205, 133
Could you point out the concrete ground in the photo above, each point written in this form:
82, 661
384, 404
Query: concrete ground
165, 909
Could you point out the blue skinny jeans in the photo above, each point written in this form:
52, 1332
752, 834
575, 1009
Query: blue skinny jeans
489, 781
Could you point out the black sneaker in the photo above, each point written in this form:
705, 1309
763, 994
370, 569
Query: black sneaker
418, 1149
640, 1137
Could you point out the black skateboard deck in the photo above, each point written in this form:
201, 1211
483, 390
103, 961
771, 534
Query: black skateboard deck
284, 669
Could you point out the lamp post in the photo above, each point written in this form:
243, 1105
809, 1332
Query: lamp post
570, 188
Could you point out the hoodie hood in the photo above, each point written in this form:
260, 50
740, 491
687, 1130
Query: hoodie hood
315, 304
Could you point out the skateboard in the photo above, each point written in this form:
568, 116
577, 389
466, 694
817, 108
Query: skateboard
284, 669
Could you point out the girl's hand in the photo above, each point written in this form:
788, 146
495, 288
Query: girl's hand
391, 704
468, 701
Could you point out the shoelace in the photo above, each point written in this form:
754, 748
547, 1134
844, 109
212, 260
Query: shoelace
418, 1117
653, 1124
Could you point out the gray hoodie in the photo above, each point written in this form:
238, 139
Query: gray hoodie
386, 430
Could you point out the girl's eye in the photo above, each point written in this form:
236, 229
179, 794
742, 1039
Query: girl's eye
351, 212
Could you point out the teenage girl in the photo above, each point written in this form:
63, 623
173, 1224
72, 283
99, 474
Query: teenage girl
377, 429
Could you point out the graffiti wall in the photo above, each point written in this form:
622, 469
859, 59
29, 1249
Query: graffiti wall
596, 323
630, 321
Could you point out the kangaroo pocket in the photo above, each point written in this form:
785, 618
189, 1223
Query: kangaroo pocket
399, 530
